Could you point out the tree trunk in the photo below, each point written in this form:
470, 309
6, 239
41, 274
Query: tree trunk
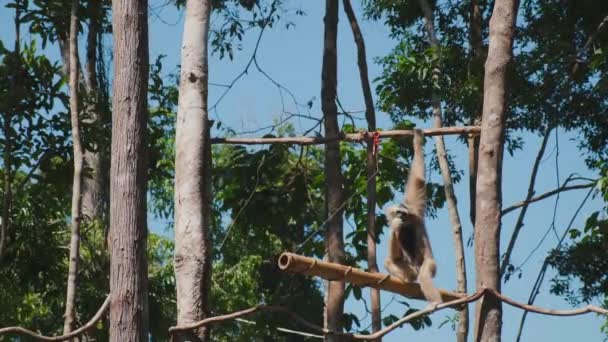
334, 239
489, 172
462, 332
70, 298
370, 115
94, 196
192, 174
475, 71
128, 230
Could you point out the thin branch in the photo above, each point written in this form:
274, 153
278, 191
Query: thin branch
352, 137
588, 43
246, 204
251, 59
89, 325
442, 158
285, 330
372, 161
272, 127
549, 312
332, 214
522, 214
548, 194
541, 274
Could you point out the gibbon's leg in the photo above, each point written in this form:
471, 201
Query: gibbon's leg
401, 269
425, 278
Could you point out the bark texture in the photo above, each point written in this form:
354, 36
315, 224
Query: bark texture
370, 115
94, 182
128, 230
489, 172
74, 259
462, 332
334, 239
192, 174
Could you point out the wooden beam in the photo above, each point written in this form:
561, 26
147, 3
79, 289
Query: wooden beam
352, 137
294, 263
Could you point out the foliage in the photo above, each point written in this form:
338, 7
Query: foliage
240, 16
540, 94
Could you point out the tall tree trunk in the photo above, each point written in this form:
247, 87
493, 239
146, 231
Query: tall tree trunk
192, 174
475, 71
334, 239
94, 196
488, 314
128, 229
370, 115
70, 298
461, 273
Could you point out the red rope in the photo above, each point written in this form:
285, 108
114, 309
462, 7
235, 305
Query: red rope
376, 142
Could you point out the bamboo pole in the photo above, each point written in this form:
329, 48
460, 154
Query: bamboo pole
294, 263
352, 137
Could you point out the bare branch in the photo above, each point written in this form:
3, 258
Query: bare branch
549, 312
352, 137
442, 157
89, 325
285, 330
520, 219
548, 194
372, 160
543, 270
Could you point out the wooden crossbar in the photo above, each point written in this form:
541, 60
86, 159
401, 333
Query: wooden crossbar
352, 137
294, 263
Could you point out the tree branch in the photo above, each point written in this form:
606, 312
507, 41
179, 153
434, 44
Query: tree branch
442, 158
352, 137
522, 214
549, 312
317, 329
372, 160
90, 324
431, 309
541, 274
548, 194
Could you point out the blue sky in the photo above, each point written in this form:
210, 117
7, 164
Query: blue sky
293, 58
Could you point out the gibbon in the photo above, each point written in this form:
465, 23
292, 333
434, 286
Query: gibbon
410, 256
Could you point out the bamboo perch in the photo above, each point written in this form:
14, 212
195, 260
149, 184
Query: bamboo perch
294, 263
353, 137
